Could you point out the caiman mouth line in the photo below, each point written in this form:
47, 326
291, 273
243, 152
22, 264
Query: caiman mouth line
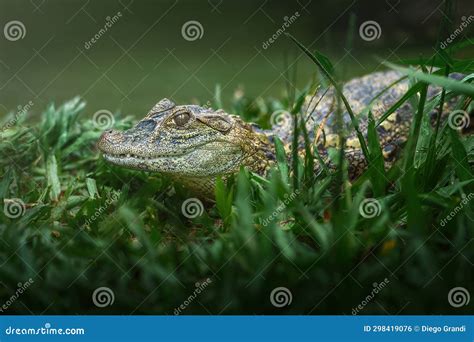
204, 146
135, 156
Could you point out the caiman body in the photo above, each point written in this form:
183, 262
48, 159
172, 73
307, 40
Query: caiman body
195, 144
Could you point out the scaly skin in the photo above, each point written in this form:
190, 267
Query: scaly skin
194, 144
191, 144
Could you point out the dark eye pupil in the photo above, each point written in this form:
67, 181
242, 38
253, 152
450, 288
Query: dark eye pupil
181, 119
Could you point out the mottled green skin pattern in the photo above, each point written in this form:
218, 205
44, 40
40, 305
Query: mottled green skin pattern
195, 144
360, 94
377, 92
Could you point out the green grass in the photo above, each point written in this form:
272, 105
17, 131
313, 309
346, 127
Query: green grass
87, 224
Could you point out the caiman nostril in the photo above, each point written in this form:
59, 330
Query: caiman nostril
114, 136
111, 137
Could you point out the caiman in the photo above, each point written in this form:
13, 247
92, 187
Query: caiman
195, 144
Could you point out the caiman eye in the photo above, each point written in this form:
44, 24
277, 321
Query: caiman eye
181, 119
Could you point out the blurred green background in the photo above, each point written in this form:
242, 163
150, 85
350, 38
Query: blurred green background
141, 247
143, 57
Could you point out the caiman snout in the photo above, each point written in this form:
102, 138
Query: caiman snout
108, 139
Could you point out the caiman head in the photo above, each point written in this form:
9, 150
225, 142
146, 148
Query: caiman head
193, 144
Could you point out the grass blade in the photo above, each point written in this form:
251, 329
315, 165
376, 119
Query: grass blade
326, 67
448, 83
376, 160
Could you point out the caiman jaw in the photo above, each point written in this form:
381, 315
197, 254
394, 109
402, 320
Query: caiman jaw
117, 148
128, 159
